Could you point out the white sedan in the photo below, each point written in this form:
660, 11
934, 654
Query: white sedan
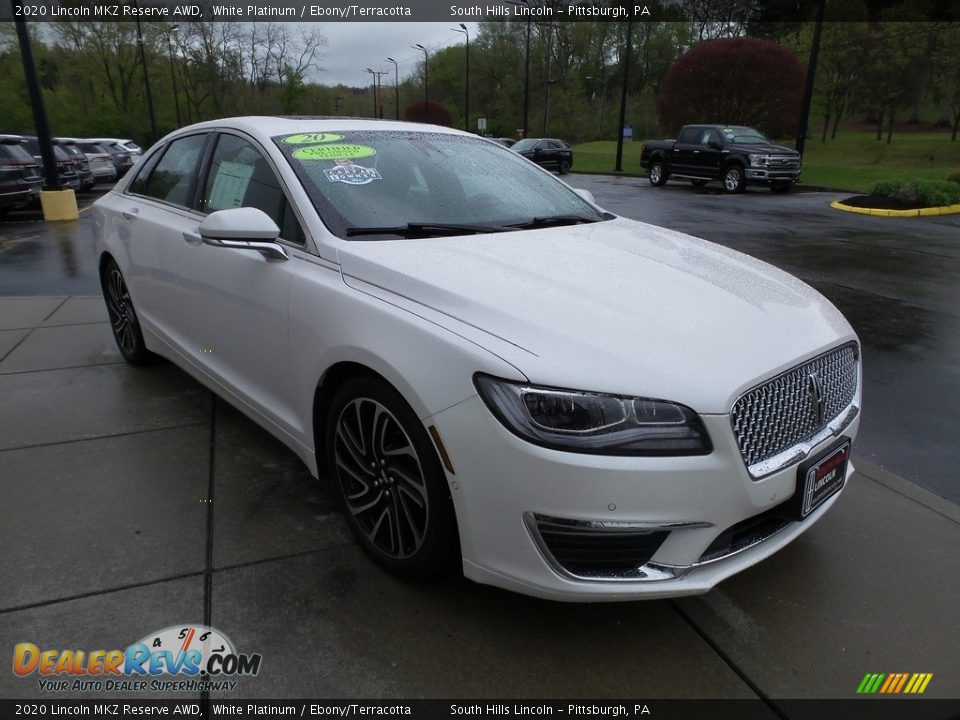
490, 368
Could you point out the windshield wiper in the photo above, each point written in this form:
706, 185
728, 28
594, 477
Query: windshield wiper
550, 220
426, 229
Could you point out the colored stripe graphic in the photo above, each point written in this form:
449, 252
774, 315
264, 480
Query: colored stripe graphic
894, 683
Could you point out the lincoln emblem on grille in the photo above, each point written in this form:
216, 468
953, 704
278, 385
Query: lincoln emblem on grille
815, 391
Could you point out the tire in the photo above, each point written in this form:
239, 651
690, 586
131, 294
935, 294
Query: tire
734, 179
698, 183
389, 480
780, 187
564, 167
658, 173
123, 317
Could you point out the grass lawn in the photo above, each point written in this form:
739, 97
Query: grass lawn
854, 161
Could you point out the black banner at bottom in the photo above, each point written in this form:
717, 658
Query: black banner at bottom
853, 709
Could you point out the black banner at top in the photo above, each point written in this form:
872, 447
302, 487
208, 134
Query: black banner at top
327, 11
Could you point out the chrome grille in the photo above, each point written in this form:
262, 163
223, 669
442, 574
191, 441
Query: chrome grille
794, 406
783, 163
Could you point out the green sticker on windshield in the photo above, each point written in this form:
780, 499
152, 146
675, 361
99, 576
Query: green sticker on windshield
334, 152
311, 138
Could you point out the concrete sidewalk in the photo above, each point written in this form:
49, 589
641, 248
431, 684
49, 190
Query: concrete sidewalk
132, 500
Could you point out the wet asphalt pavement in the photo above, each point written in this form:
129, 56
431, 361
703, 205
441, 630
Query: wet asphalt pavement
896, 280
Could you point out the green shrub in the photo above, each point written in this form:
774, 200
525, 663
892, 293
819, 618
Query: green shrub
955, 178
887, 187
934, 193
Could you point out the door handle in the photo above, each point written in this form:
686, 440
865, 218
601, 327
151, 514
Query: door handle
130, 213
696, 152
191, 238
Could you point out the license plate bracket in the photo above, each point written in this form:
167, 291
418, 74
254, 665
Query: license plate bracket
822, 477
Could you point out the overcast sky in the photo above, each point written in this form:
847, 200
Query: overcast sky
352, 47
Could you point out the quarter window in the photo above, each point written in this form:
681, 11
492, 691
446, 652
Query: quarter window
690, 136
169, 180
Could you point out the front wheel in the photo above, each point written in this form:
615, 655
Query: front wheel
564, 167
658, 173
734, 180
123, 318
780, 187
389, 480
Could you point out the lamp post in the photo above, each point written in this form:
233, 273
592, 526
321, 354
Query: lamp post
811, 74
396, 86
146, 80
426, 80
373, 75
466, 98
51, 176
623, 95
173, 72
526, 72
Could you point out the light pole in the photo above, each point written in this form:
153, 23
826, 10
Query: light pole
51, 176
526, 72
426, 80
811, 74
466, 98
373, 74
623, 95
146, 80
173, 72
396, 85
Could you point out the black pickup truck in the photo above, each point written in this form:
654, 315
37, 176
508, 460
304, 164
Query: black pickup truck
736, 155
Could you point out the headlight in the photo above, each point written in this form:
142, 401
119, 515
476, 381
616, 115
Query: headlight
759, 159
594, 422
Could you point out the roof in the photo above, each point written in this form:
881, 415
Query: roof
271, 125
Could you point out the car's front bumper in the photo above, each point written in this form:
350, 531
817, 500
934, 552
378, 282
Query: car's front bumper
761, 175
501, 484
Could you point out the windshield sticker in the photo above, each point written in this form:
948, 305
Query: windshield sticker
334, 152
311, 138
350, 174
230, 185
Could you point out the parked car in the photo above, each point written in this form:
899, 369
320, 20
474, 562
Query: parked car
80, 162
505, 141
20, 179
489, 368
123, 144
734, 154
121, 159
101, 161
546, 152
67, 166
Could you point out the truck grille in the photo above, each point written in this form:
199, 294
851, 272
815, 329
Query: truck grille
783, 163
795, 406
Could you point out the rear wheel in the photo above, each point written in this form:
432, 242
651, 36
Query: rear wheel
389, 480
780, 187
123, 318
734, 180
658, 173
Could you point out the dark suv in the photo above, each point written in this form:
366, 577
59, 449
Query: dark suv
20, 179
66, 166
80, 162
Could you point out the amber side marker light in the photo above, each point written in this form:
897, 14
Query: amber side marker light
435, 434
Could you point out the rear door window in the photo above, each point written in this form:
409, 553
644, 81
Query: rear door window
172, 178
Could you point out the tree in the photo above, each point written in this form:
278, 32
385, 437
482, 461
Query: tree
428, 112
708, 84
946, 75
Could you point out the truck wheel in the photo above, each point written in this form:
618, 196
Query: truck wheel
698, 183
658, 173
780, 187
734, 181
564, 167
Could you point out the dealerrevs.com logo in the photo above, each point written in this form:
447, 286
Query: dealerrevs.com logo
186, 658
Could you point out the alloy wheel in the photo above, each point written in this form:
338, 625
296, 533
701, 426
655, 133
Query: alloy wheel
120, 310
382, 478
655, 174
732, 180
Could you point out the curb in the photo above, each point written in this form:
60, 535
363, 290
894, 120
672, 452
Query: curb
908, 489
878, 212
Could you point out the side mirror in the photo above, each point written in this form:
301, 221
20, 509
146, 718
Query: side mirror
586, 195
243, 228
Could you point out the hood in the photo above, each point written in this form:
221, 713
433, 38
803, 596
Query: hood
765, 148
616, 306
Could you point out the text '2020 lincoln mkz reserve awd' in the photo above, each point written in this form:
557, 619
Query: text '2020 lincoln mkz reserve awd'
489, 367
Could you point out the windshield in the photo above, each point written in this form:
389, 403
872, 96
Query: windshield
364, 181
745, 136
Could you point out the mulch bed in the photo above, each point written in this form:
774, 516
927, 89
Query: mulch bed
881, 202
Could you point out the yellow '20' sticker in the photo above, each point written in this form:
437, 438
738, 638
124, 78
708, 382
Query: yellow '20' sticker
311, 138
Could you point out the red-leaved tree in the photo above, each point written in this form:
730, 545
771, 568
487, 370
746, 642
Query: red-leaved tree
432, 112
735, 81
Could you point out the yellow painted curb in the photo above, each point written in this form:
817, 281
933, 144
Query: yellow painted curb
879, 212
59, 205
